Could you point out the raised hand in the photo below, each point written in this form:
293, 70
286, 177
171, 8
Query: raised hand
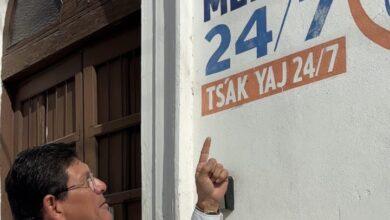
211, 180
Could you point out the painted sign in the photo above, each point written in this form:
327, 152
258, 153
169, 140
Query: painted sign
298, 69
256, 35
295, 94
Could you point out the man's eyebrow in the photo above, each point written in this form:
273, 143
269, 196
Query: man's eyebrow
84, 176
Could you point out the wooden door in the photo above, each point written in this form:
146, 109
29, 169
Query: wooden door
92, 100
62, 84
112, 118
48, 106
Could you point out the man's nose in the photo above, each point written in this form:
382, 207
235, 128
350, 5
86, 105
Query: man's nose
101, 187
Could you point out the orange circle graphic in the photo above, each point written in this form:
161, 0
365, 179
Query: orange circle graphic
368, 27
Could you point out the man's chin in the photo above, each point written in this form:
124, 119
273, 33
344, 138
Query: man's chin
104, 211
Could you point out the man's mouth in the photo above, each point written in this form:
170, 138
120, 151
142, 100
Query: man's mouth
104, 205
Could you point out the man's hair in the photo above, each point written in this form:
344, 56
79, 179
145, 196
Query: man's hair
35, 173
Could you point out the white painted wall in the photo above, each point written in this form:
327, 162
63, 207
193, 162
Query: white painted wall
185, 192
167, 107
167, 100
319, 151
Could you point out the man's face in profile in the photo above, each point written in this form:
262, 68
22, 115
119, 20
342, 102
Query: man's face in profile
84, 200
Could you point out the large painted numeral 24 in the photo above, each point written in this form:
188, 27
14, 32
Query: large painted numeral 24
260, 41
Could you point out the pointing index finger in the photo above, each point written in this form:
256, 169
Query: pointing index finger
204, 155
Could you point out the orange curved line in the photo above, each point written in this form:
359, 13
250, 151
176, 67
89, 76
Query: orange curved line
367, 26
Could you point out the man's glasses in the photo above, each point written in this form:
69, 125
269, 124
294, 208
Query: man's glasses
90, 182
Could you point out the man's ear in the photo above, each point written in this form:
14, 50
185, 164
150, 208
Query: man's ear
52, 208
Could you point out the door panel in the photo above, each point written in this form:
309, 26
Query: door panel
48, 113
49, 116
112, 125
122, 168
118, 78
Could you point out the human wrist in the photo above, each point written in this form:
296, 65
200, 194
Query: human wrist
208, 206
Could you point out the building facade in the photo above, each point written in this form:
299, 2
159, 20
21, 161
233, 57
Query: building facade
294, 95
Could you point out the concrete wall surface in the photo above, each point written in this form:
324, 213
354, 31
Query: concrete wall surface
167, 105
295, 95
